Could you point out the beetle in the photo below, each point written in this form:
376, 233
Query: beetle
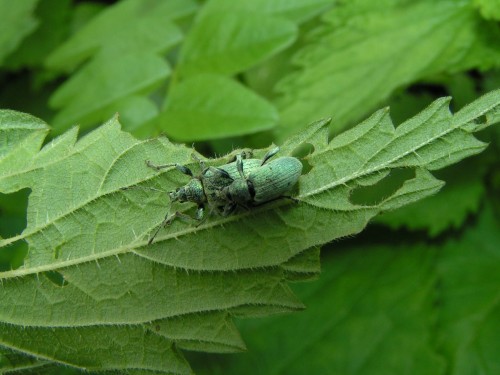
205, 188
264, 184
244, 182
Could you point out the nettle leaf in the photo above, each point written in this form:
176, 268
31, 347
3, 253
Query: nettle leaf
357, 58
469, 314
53, 17
374, 301
197, 109
12, 361
461, 196
229, 38
127, 42
295, 10
370, 303
17, 22
90, 273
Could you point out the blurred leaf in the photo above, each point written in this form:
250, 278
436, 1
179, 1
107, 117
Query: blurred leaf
126, 41
17, 22
210, 106
469, 303
53, 16
295, 10
369, 304
93, 286
228, 41
94, 92
374, 312
489, 9
359, 56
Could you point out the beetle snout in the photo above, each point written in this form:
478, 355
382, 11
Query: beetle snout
174, 195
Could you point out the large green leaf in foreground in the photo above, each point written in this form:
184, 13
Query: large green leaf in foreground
374, 312
96, 296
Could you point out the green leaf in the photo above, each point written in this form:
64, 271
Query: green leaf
489, 9
228, 41
12, 361
359, 56
469, 314
111, 81
90, 273
461, 196
148, 29
295, 10
126, 60
17, 23
370, 303
131, 346
53, 17
374, 301
197, 109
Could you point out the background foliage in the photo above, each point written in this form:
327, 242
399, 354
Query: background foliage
416, 292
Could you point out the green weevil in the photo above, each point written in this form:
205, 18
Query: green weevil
264, 184
205, 188
244, 182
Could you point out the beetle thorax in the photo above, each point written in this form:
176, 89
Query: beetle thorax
191, 192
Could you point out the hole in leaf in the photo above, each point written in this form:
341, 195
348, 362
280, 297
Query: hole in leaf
374, 194
481, 120
56, 278
302, 151
13, 212
12, 222
12, 256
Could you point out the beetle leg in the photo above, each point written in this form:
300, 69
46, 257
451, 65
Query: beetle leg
142, 187
170, 218
245, 153
228, 209
201, 162
269, 155
199, 212
181, 168
221, 172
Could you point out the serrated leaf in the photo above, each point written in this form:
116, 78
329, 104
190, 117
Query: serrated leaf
201, 332
126, 60
369, 303
373, 301
17, 22
87, 347
89, 266
111, 81
107, 31
197, 109
229, 41
460, 197
359, 56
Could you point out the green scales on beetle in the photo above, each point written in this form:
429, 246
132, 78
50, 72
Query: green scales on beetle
245, 182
